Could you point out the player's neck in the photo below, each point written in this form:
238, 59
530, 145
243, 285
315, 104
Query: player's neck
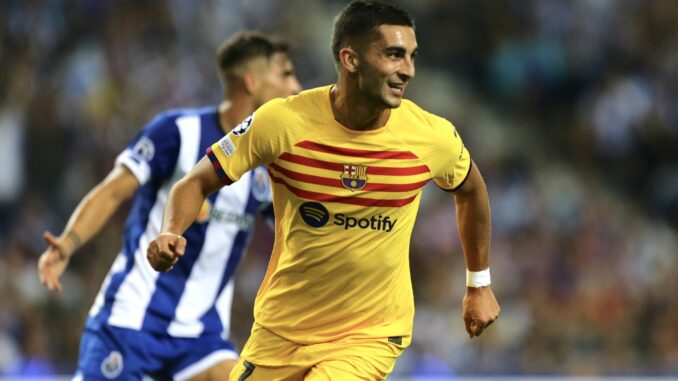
233, 111
354, 111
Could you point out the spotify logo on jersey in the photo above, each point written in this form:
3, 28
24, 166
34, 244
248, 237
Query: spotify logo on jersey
314, 214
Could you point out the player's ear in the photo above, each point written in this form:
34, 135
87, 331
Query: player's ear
349, 59
250, 81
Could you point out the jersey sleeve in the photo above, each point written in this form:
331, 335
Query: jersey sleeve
253, 142
152, 154
451, 161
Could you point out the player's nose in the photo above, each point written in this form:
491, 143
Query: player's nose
294, 86
406, 70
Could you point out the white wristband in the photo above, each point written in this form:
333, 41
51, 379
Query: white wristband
478, 279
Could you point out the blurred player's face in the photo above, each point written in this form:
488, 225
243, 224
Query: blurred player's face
276, 80
387, 65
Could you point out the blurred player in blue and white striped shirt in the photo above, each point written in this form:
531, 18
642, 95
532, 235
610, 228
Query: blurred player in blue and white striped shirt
174, 325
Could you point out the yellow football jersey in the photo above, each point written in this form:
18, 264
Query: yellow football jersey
345, 203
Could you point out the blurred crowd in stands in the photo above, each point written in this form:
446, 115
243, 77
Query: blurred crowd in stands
569, 108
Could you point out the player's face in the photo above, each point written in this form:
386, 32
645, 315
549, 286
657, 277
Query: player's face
277, 80
388, 65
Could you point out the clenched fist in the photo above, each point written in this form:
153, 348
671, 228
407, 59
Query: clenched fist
480, 309
164, 251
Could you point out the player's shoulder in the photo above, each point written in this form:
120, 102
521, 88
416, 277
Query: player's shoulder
310, 97
307, 101
422, 119
169, 120
171, 115
435, 132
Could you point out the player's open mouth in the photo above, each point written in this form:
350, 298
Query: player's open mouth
397, 89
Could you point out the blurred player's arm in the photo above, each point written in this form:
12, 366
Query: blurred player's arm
93, 211
480, 307
183, 205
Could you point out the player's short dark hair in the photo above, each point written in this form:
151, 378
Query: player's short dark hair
362, 17
245, 46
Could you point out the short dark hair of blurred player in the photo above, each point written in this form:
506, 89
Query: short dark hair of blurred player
348, 162
175, 325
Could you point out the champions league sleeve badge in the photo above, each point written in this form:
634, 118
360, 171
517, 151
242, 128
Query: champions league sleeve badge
243, 127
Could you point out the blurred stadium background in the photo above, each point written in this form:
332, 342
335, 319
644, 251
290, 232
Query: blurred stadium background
570, 109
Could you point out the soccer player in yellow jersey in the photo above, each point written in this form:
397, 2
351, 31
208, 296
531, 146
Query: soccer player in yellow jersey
348, 163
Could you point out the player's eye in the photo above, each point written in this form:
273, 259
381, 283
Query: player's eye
395, 53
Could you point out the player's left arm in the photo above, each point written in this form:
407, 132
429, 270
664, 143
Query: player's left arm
480, 307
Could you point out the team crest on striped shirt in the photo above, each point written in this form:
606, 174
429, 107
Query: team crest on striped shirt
354, 176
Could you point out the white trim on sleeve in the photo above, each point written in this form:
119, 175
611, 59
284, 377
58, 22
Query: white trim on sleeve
139, 168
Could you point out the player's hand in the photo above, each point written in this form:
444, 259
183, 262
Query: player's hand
54, 260
480, 309
164, 251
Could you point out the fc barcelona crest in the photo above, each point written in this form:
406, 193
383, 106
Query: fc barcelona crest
354, 176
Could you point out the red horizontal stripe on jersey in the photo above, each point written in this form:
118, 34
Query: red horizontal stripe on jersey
378, 187
361, 201
372, 170
370, 187
393, 155
307, 178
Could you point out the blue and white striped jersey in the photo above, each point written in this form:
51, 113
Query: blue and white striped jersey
194, 299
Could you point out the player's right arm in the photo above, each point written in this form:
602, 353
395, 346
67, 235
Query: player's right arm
248, 145
151, 155
183, 205
93, 211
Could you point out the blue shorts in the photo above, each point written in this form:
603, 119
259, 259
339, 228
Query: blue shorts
112, 353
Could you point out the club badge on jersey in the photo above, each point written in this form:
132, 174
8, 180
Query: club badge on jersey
354, 176
261, 187
112, 365
144, 149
